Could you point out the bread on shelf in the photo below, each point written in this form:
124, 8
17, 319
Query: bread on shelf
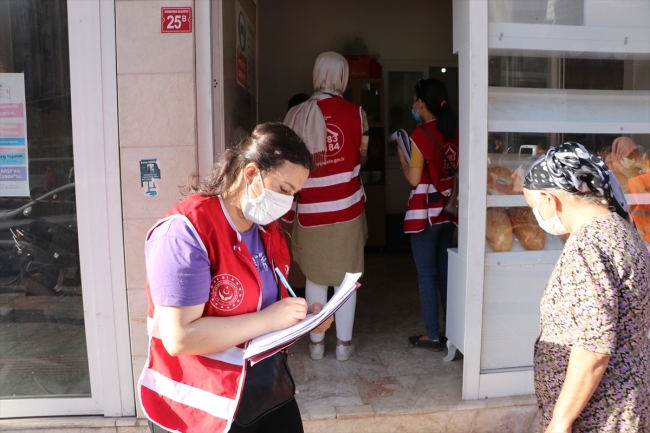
525, 226
500, 181
498, 229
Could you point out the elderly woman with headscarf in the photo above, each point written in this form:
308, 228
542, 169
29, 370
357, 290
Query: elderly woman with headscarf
330, 232
625, 161
592, 357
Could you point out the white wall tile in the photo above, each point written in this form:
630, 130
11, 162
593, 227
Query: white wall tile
175, 163
157, 110
135, 231
138, 321
142, 47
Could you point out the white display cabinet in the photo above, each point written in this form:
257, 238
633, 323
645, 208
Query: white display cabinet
532, 75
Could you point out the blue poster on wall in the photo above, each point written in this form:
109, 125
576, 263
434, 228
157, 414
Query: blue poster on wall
149, 173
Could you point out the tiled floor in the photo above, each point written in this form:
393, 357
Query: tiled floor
385, 372
389, 385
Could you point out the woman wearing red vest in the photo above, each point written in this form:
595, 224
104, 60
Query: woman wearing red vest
330, 231
432, 178
211, 288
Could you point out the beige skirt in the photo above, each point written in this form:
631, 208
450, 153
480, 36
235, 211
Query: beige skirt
326, 253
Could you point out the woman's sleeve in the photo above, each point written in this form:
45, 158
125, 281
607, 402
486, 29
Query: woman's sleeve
594, 301
417, 160
178, 269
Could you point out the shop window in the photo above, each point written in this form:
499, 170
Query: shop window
44, 351
558, 71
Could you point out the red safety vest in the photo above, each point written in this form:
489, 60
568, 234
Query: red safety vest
333, 193
437, 177
201, 394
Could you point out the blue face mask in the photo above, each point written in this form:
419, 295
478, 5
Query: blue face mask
416, 116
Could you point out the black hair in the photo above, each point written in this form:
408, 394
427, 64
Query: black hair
297, 99
434, 95
269, 146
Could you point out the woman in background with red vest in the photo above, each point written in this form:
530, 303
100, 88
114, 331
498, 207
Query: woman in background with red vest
330, 231
211, 288
432, 178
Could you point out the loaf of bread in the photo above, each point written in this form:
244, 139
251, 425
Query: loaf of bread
525, 226
498, 229
500, 181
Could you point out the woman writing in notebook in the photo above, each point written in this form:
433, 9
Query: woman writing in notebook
211, 288
432, 177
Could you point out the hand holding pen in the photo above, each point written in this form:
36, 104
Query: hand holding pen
313, 308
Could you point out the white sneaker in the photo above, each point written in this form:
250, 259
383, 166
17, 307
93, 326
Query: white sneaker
343, 353
317, 350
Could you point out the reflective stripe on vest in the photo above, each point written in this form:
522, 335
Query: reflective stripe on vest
333, 193
215, 405
420, 211
334, 179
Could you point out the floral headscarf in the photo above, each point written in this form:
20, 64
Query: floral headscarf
570, 167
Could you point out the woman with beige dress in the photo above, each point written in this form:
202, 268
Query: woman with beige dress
330, 230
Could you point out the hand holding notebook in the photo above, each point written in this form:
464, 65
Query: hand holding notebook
267, 345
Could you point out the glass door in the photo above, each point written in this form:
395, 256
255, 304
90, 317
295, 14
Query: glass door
44, 351
64, 342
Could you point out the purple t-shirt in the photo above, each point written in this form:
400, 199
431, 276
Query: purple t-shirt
253, 241
178, 268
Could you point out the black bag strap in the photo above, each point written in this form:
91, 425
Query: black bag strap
439, 148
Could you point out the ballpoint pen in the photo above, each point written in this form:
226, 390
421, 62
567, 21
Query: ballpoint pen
285, 282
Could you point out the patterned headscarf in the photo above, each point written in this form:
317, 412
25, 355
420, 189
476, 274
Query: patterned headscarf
570, 167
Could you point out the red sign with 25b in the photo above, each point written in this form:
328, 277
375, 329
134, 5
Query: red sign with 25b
176, 20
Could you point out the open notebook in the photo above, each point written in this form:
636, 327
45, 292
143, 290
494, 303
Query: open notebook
267, 345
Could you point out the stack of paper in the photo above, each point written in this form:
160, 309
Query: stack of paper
404, 143
270, 344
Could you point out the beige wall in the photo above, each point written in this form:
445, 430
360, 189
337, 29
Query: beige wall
293, 32
157, 119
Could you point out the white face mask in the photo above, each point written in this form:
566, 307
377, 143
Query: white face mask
552, 225
266, 208
627, 163
631, 163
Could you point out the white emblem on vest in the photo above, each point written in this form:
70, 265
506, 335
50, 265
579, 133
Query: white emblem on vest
226, 292
335, 139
